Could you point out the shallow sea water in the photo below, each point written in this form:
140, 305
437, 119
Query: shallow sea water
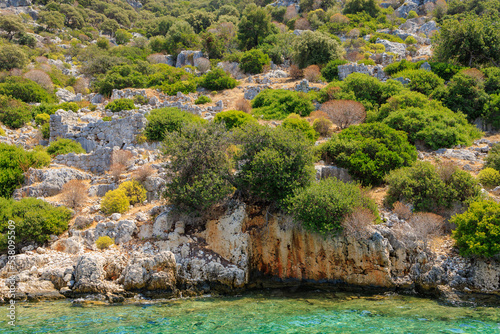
257, 313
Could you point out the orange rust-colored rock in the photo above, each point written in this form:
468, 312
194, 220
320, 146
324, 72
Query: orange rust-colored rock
280, 249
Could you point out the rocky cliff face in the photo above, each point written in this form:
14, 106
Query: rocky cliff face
247, 247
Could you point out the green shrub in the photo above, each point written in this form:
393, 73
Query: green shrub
200, 167
279, 103
478, 229
120, 104
404, 100
115, 201
399, 66
46, 131
489, 177
445, 70
107, 118
315, 48
218, 79
389, 37
300, 124
421, 81
410, 40
35, 220
278, 161
366, 62
139, 99
429, 190
135, 192
14, 161
323, 206
322, 126
203, 99
25, 90
253, 61
493, 157
42, 119
14, 113
2, 132
64, 146
436, 126
104, 242
331, 71
492, 80
12, 56
492, 111
165, 120
464, 93
234, 119
185, 87
411, 15
369, 151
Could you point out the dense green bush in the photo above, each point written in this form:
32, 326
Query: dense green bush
14, 113
234, 119
64, 146
493, 157
165, 120
370, 7
42, 119
478, 229
491, 112
200, 167
218, 79
331, 71
185, 87
465, 93
203, 99
299, 124
404, 100
14, 161
104, 242
35, 220
120, 104
323, 206
115, 201
253, 61
25, 90
489, 177
402, 65
421, 81
135, 192
279, 103
491, 80
429, 190
277, 161
12, 56
315, 48
445, 70
46, 131
369, 151
436, 126
369, 90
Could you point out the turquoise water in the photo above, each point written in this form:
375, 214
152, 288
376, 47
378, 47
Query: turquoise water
258, 313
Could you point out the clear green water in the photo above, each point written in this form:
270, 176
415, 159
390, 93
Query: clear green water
258, 313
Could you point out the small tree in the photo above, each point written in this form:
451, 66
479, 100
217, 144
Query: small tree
313, 48
200, 166
12, 56
253, 61
277, 161
255, 25
344, 113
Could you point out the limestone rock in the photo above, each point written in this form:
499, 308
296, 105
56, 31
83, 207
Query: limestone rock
187, 57
65, 95
150, 272
49, 182
70, 245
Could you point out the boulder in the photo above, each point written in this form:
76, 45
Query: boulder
187, 57
72, 245
394, 47
150, 272
162, 225
65, 95
404, 9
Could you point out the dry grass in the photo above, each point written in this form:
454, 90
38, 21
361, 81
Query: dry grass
402, 210
358, 224
295, 72
243, 105
302, 24
143, 173
312, 73
74, 193
41, 78
121, 157
82, 86
202, 64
